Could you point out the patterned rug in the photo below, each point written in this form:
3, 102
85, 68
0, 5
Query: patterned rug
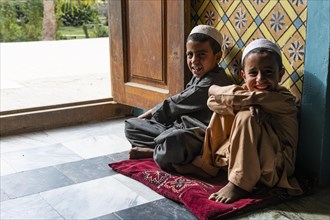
193, 192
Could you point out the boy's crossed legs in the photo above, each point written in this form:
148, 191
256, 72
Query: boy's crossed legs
174, 145
140, 152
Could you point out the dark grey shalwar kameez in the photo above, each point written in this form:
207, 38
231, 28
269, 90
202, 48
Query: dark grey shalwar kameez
177, 128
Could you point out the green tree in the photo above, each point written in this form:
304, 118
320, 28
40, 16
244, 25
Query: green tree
78, 12
20, 20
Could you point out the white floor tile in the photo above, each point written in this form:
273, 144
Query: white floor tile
116, 126
25, 141
98, 146
92, 199
70, 133
29, 207
39, 157
3, 196
6, 168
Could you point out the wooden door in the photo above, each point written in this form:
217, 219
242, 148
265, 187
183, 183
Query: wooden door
147, 50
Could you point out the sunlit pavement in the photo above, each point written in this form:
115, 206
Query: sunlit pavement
45, 73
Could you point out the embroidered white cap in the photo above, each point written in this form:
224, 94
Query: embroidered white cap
208, 30
261, 43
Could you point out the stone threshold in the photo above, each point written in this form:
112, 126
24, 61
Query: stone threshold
55, 116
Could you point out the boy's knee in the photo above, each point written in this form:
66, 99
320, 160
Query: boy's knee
130, 123
134, 129
245, 117
178, 147
129, 126
168, 149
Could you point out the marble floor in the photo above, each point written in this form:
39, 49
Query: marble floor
63, 174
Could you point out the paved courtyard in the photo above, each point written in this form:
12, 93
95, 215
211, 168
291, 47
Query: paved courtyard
43, 73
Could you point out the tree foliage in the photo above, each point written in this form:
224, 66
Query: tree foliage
77, 13
20, 20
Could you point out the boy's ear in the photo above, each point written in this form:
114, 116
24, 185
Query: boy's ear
218, 56
243, 74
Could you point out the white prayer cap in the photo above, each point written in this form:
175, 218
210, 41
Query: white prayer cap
208, 30
262, 44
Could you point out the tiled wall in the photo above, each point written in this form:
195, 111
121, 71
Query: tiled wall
282, 21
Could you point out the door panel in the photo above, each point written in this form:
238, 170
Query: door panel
147, 50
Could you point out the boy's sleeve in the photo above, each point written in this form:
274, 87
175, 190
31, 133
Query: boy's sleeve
192, 99
222, 99
275, 102
222, 109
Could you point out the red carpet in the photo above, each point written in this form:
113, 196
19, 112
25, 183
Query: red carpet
194, 193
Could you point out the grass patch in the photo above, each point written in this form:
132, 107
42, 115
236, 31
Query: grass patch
69, 32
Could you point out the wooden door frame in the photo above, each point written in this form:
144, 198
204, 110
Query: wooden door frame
178, 13
48, 117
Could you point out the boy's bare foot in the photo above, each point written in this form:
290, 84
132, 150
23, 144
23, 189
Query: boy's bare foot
228, 194
190, 169
140, 152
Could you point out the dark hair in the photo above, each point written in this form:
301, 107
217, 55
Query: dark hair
265, 50
216, 47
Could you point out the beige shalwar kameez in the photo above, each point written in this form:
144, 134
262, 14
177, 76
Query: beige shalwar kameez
254, 152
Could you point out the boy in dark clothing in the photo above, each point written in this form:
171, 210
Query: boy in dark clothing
173, 131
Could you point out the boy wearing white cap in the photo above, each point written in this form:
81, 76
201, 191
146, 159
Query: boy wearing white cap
173, 131
254, 129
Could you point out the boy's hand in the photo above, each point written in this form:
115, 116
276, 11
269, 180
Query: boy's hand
146, 115
260, 115
213, 90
